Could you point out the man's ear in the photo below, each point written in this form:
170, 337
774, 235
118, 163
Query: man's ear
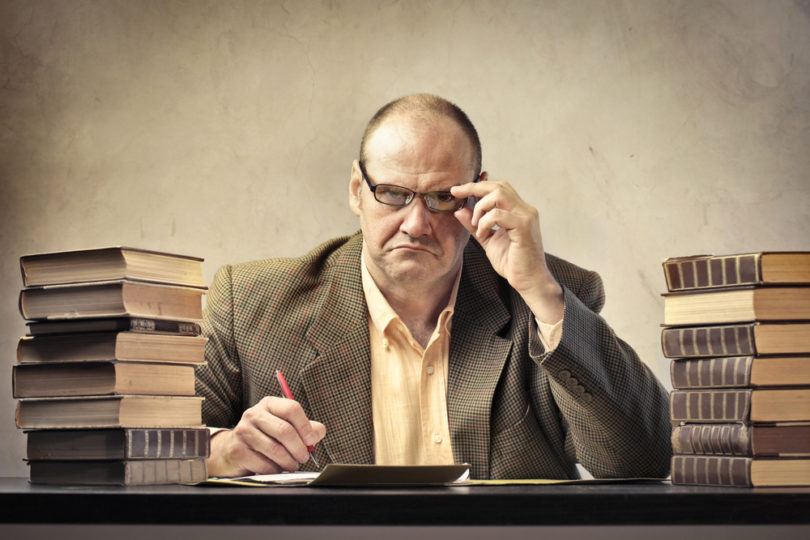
355, 185
483, 177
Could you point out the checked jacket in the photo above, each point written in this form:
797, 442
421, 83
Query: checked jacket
514, 410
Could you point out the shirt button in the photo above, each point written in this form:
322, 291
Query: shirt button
437, 438
385, 344
429, 369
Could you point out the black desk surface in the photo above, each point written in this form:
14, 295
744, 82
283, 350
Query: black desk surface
594, 504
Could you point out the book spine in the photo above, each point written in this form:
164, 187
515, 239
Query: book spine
711, 470
725, 372
163, 326
710, 406
165, 471
728, 340
167, 443
712, 272
712, 439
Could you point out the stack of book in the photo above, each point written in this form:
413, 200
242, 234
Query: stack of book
737, 333
105, 375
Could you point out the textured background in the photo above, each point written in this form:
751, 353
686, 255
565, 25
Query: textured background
640, 129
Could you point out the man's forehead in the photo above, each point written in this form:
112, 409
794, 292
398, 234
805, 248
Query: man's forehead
433, 138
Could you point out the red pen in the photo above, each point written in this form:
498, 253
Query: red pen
287, 393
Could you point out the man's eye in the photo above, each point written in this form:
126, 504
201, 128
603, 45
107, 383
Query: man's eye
443, 196
393, 193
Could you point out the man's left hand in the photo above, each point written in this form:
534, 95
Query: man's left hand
509, 231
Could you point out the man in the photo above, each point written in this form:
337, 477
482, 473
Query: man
439, 333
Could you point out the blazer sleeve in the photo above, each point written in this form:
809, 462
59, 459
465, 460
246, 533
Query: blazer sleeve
219, 381
614, 410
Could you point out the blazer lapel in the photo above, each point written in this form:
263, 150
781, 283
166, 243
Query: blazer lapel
338, 381
477, 357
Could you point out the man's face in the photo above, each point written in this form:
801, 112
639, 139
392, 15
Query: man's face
411, 246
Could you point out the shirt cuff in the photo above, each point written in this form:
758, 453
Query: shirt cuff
549, 334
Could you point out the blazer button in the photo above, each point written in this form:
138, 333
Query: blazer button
587, 398
564, 374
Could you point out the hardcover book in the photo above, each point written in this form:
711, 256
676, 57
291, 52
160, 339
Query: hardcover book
108, 264
111, 299
736, 340
109, 411
101, 378
763, 268
126, 346
737, 439
737, 306
122, 473
114, 324
740, 372
735, 471
740, 405
117, 444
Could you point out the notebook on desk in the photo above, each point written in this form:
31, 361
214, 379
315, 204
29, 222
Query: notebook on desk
345, 475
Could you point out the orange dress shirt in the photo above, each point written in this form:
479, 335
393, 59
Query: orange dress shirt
409, 383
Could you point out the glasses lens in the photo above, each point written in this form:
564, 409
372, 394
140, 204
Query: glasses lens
393, 195
442, 201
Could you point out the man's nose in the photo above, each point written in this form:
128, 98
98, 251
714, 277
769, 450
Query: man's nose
417, 218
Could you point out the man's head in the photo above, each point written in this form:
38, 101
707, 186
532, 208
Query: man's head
425, 144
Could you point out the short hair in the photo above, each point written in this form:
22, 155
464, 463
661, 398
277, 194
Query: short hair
426, 106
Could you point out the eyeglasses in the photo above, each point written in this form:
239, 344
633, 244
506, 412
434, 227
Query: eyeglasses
436, 201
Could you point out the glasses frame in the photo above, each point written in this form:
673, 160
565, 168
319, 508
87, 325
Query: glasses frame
413, 194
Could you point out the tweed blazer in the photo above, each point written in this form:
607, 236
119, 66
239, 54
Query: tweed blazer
514, 410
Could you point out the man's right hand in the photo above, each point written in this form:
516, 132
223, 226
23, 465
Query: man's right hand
271, 437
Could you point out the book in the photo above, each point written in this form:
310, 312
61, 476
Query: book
109, 299
117, 444
113, 324
737, 305
122, 472
736, 340
109, 411
739, 439
101, 378
740, 405
736, 471
108, 264
128, 346
740, 371
715, 271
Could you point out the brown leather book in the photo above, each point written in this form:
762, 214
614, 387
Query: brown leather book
737, 439
736, 340
735, 471
716, 271
740, 372
740, 405
122, 473
117, 444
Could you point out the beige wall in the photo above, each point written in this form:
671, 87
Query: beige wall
640, 129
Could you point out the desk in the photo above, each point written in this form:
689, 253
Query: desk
651, 504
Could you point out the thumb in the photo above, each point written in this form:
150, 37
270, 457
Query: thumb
464, 216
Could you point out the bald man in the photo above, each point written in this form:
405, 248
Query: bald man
440, 333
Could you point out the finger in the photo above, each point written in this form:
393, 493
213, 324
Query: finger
464, 216
292, 412
497, 218
263, 450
